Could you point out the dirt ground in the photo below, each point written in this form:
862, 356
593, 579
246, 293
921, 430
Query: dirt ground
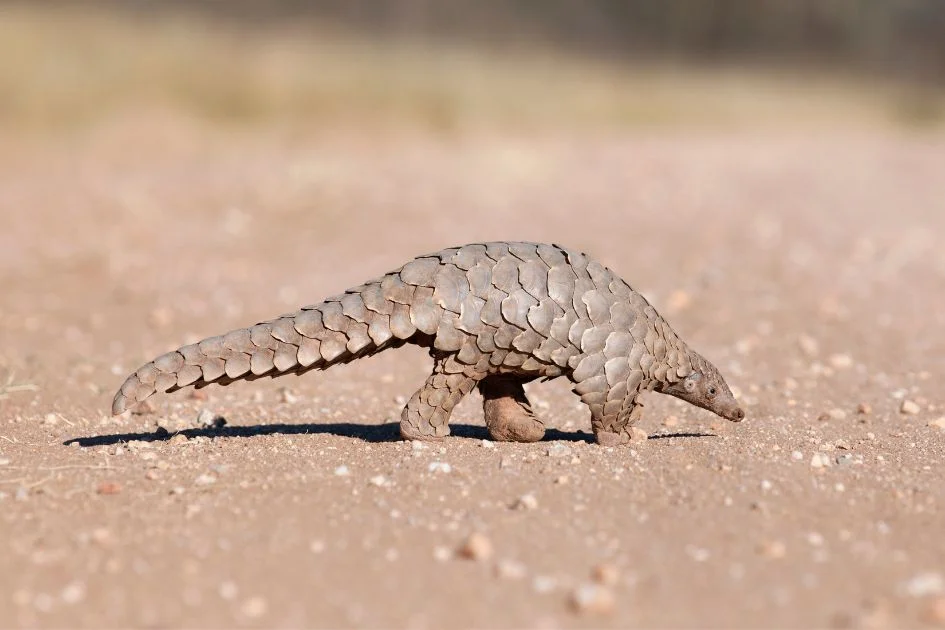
808, 266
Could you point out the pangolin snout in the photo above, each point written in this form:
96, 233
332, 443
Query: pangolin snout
737, 415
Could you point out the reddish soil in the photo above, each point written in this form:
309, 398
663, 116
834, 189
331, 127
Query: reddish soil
809, 268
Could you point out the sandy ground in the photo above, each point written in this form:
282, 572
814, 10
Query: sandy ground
809, 267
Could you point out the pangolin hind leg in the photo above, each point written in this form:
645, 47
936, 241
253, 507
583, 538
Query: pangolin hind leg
509, 416
427, 414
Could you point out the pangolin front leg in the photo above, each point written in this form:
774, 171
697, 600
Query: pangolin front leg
614, 430
509, 415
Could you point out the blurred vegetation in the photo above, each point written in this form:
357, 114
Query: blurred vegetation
453, 65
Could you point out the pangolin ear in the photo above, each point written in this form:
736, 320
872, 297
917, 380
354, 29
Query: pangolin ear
691, 381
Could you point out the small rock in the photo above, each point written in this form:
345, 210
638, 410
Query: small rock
819, 460
558, 449
254, 607
108, 487
592, 599
940, 423
909, 407
378, 480
73, 593
837, 414
797, 455
50, 419
774, 549
562, 480
808, 345
288, 396
637, 435
4, 461
228, 590
476, 547
925, 584
342, 471
439, 467
177, 439
864, 409
544, 584
526, 502
209, 420
841, 361
606, 574
205, 480
441, 554
487, 444
510, 570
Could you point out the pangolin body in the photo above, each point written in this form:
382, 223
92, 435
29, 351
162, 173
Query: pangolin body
494, 316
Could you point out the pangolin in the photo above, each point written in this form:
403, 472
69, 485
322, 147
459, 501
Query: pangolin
493, 316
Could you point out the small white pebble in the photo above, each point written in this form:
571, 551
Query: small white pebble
73, 593
487, 444
510, 570
797, 455
526, 502
342, 471
205, 480
815, 539
254, 607
841, 361
378, 480
439, 467
924, 584
820, 460
592, 599
544, 584
477, 546
442, 554
909, 407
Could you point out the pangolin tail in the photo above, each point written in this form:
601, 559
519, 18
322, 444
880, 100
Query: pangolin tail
361, 322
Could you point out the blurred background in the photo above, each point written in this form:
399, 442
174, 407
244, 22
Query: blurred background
453, 65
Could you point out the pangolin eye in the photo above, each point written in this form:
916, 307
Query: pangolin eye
711, 391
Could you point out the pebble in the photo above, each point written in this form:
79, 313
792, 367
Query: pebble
441, 554
797, 455
288, 396
592, 599
606, 574
342, 471
4, 461
864, 409
73, 593
924, 584
837, 414
108, 487
559, 449
439, 467
254, 607
378, 480
841, 361
205, 480
808, 345
177, 438
209, 420
544, 583
909, 407
940, 423
477, 546
526, 502
487, 444
774, 549
510, 570
638, 435
820, 460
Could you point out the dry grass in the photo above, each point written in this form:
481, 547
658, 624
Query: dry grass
61, 68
